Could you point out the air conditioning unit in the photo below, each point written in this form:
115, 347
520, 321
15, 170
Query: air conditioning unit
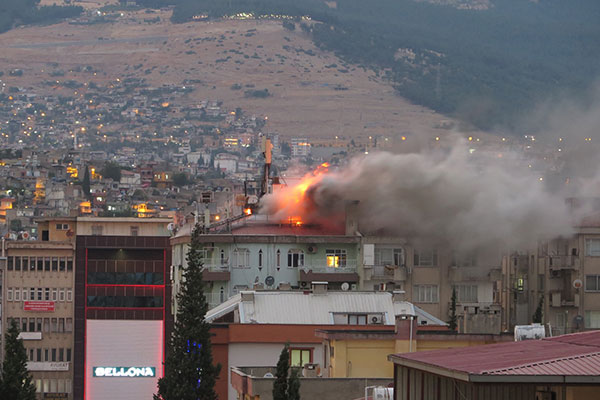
312, 249
304, 284
375, 319
555, 273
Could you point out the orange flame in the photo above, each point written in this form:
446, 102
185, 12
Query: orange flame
248, 211
291, 203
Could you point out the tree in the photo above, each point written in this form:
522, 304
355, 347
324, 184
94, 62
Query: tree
111, 170
452, 323
280, 386
180, 179
538, 315
16, 380
189, 370
294, 385
86, 183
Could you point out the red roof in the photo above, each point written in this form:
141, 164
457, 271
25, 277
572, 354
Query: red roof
574, 354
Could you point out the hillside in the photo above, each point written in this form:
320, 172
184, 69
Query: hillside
312, 92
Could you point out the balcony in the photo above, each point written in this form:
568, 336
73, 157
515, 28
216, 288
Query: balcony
559, 263
473, 274
216, 272
346, 272
386, 272
564, 298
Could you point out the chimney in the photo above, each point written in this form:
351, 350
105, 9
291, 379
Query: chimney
398, 296
351, 217
406, 333
319, 287
284, 286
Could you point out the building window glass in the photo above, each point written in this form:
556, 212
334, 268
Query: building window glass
241, 258
69, 263
389, 256
69, 326
425, 294
592, 319
24, 324
54, 294
32, 263
40, 293
466, 293
9, 295
38, 327
53, 352
125, 301
336, 258
40, 263
279, 258
61, 295
299, 357
47, 294
592, 283
592, 247
62, 264
17, 294
17, 263
54, 263
357, 319
46, 263
68, 355
69, 295
295, 258
260, 258
425, 258
10, 262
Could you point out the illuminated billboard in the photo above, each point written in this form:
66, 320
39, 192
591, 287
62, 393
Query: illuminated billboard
123, 359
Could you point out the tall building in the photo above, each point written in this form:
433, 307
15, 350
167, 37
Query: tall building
38, 296
122, 307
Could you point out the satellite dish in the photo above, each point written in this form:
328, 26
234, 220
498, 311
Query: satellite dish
269, 280
25, 235
171, 227
577, 283
345, 286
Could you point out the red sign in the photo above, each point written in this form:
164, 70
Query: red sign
38, 306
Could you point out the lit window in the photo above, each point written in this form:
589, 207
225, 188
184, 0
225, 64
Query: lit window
299, 357
336, 258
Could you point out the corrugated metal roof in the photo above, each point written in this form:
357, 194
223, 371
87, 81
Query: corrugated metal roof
294, 307
574, 354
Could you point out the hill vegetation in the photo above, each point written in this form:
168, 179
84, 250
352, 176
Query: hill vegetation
488, 67
22, 12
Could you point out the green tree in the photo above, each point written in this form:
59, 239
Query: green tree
112, 170
280, 386
180, 179
452, 322
16, 380
538, 315
86, 183
189, 370
294, 385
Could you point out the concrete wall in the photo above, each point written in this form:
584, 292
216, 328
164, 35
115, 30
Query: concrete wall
262, 355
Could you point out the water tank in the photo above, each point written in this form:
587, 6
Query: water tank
529, 332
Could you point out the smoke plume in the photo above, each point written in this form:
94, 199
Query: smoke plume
462, 199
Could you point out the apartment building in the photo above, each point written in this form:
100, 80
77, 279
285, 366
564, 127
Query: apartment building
258, 253
564, 274
38, 296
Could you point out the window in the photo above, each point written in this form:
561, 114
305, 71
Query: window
46, 355
62, 264
425, 258
24, 324
40, 293
592, 283
9, 294
279, 258
357, 319
38, 325
425, 294
389, 256
53, 355
38, 355
61, 295
17, 263
32, 263
47, 294
54, 326
134, 230
295, 258
69, 295
336, 258
125, 301
31, 324
54, 294
62, 227
40, 264
69, 263
25, 263
10, 262
25, 294
17, 294
260, 258
299, 357
68, 355
241, 258
466, 293
30, 354
61, 354
54, 263
592, 247
69, 325
46, 263
32, 294
96, 230
592, 319
61, 325
46, 326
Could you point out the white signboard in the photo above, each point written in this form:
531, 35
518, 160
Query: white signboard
47, 366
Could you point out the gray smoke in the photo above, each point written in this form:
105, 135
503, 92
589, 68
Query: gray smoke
467, 201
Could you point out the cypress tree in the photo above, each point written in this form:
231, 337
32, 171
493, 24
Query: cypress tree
539, 312
280, 386
189, 370
294, 385
453, 322
16, 380
86, 183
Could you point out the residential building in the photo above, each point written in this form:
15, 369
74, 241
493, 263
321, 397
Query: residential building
37, 294
300, 147
561, 368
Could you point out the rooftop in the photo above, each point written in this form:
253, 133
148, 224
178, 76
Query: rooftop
567, 358
275, 307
